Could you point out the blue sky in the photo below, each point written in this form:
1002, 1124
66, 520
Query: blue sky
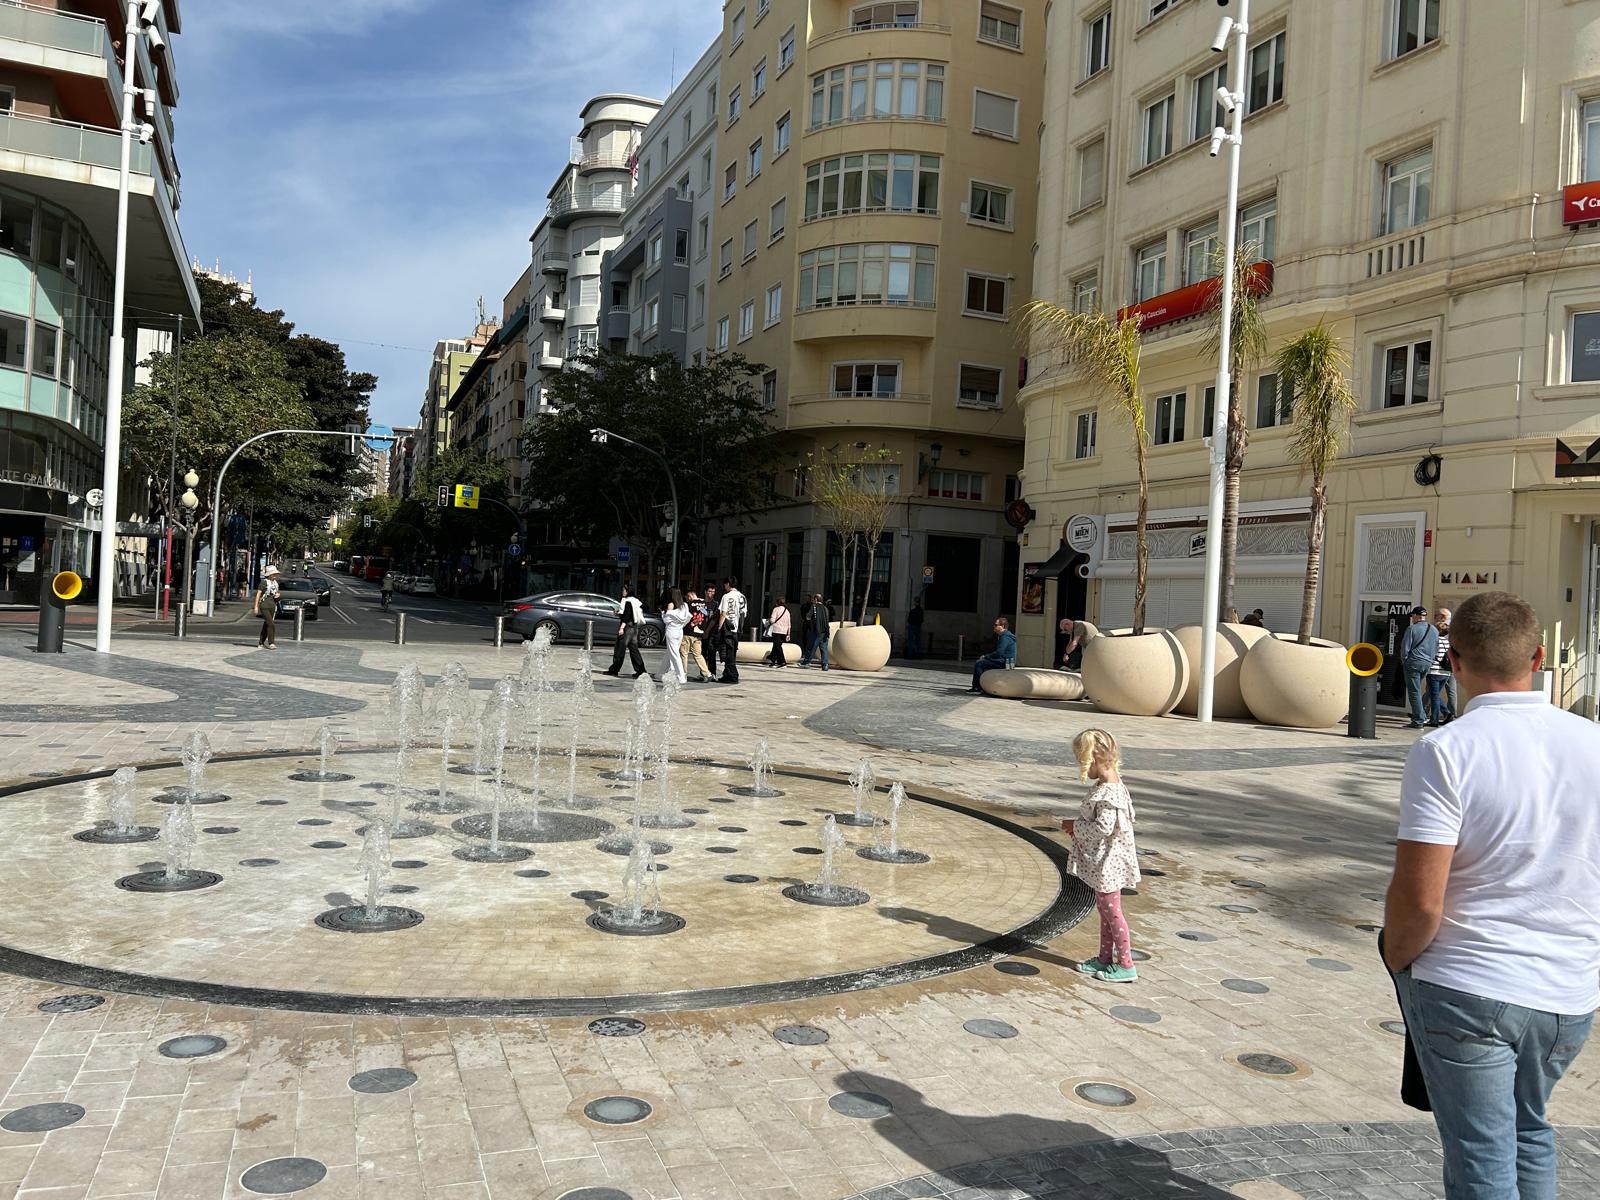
379, 164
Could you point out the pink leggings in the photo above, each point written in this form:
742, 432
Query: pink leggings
1114, 939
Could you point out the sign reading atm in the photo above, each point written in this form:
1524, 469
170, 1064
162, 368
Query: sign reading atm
1190, 301
1580, 203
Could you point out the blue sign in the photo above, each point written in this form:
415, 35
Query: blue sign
514, 550
623, 554
379, 437
25, 543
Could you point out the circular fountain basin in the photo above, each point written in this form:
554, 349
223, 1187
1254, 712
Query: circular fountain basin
612, 920
110, 835
178, 793
317, 775
551, 826
865, 821
483, 852
159, 881
838, 896
759, 793
898, 858
354, 918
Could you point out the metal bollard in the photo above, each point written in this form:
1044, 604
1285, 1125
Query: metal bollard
299, 624
400, 629
1365, 661
588, 635
181, 618
499, 632
961, 647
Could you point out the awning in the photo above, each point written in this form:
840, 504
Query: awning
1058, 562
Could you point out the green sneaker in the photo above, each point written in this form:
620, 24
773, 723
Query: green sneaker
1093, 966
1117, 974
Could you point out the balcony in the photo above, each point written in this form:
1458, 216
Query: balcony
877, 319
569, 205
1403, 251
601, 160
553, 311
555, 262
550, 357
822, 39
76, 51
904, 410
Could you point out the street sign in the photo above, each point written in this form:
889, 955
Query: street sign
25, 543
623, 555
379, 437
94, 498
338, 541
514, 550
1197, 545
927, 573
444, 495
466, 496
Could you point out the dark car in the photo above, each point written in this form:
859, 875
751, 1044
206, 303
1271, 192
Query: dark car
324, 590
297, 594
565, 615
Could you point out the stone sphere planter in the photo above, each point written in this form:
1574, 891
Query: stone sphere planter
1285, 683
751, 653
859, 648
1142, 676
1033, 683
1233, 643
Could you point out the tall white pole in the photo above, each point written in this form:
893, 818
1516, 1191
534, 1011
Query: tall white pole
107, 568
1219, 424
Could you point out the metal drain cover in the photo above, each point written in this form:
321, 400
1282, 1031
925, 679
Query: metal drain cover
985, 1028
192, 1045
1106, 1095
617, 1110
382, 1079
864, 1106
82, 1002
800, 1035
617, 1027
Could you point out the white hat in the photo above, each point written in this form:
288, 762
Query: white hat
272, 570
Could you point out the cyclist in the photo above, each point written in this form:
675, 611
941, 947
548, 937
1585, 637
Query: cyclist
388, 588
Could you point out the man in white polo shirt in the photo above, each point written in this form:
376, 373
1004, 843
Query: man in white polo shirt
1493, 918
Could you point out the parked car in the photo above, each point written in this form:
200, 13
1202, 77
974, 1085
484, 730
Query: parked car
340, 564
565, 615
297, 594
403, 583
421, 585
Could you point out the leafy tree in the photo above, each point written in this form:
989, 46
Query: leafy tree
419, 525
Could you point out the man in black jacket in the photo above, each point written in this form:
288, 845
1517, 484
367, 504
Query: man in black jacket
816, 619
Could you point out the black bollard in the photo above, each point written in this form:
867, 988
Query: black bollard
1365, 661
65, 587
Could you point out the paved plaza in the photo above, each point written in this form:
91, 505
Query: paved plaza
932, 1040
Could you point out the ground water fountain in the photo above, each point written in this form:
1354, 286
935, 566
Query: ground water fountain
533, 690
406, 705
760, 773
177, 874
121, 828
452, 700
582, 700
827, 891
371, 916
863, 783
886, 846
494, 735
327, 744
639, 914
196, 753
668, 814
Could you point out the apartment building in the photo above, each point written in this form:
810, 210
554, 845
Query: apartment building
582, 223
655, 286
402, 461
1420, 174
62, 69
874, 189
489, 402
452, 359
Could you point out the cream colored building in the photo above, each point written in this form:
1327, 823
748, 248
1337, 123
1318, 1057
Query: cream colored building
1404, 164
873, 208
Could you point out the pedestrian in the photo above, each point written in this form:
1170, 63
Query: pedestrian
711, 641
632, 616
1256, 618
675, 617
817, 620
1441, 683
1103, 854
731, 611
1419, 648
1072, 648
266, 607
914, 620
1004, 653
694, 634
778, 631
1491, 927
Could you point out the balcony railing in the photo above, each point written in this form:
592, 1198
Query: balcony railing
891, 398
555, 262
874, 116
868, 210
878, 27
876, 302
57, 30
1397, 253
72, 142
613, 201
601, 160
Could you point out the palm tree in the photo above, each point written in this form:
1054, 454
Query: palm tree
1106, 353
1311, 372
1247, 346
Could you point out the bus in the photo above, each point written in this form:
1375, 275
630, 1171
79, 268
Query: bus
356, 563
374, 568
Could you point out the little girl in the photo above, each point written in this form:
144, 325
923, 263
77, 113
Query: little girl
1103, 853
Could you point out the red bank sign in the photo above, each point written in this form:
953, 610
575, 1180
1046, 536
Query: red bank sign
1580, 203
1189, 301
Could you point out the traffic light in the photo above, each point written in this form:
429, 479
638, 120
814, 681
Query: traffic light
444, 495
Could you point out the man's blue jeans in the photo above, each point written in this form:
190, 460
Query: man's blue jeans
815, 642
988, 662
1414, 686
1440, 686
1490, 1068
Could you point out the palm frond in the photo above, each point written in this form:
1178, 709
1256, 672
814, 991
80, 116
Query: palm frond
1103, 350
1312, 373
1248, 343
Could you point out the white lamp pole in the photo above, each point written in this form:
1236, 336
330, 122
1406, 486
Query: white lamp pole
1233, 36
107, 568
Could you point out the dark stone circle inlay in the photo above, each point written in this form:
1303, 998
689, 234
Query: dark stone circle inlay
697, 812
1249, 858
732, 829
1133, 1013
722, 850
81, 1002
271, 803
1267, 1064
800, 1035
792, 823
1106, 1095
41, 1118
1249, 987
864, 1106
531, 873
1012, 967
1152, 873
595, 1193
1237, 908
402, 889
408, 864
220, 829
192, 1045
617, 1110
553, 826
1370, 928
1140, 956
617, 1027
589, 894
1329, 964
282, 1176
807, 850
1253, 884
741, 879
1195, 935
382, 1079
329, 844
315, 821
985, 1028
258, 862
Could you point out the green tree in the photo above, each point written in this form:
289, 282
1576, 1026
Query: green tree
419, 523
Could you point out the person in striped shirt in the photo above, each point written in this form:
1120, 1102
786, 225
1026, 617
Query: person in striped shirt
1441, 680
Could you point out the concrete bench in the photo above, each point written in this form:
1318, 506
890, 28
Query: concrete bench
1032, 683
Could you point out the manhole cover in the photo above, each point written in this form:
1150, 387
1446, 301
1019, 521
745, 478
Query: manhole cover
1135, 1014
741, 879
41, 1118
865, 1106
1194, 935
1237, 908
192, 1045
985, 1028
281, 1176
159, 881
354, 918
800, 1035
1267, 1064
81, 1002
1140, 956
611, 920
1328, 964
899, 858
838, 896
616, 1027
617, 1110
1016, 968
1106, 1095
1248, 986
382, 1079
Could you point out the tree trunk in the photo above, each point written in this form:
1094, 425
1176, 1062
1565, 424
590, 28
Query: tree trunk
1318, 531
866, 592
847, 576
1142, 549
1238, 440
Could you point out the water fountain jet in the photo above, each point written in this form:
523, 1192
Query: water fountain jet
885, 846
828, 892
327, 740
121, 828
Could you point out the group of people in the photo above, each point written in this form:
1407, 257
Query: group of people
1425, 660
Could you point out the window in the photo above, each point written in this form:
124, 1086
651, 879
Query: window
1083, 440
1407, 373
866, 379
1157, 7
990, 204
722, 333
747, 319
1169, 416
1589, 145
1200, 248
1086, 292
725, 262
14, 343
979, 387
1272, 407
652, 315
680, 313
900, 15
867, 274
786, 50
699, 305
776, 218
872, 183
774, 306
752, 237
711, 105
705, 170
1091, 172
1205, 111
684, 191
737, 31
761, 9
680, 246
730, 182
1265, 84
688, 128
986, 295
758, 80
1149, 270
1210, 418
16, 227
734, 106
1415, 23
8, 99
654, 257
755, 159
1000, 24
994, 114
1258, 227
1157, 131
1097, 44
955, 485
878, 90
955, 563
780, 135
769, 391
705, 237
1407, 190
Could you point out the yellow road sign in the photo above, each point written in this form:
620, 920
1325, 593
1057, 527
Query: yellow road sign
466, 496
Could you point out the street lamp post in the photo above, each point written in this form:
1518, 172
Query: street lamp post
1232, 37
600, 437
142, 16
190, 502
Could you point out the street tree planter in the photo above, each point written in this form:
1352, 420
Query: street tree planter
1033, 683
1143, 675
860, 648
1286, 683
752, 653
1233, 643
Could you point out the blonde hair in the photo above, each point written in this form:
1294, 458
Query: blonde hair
1095, 742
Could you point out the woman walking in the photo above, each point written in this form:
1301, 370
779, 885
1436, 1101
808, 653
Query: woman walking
675, 618
267, 609
778, 627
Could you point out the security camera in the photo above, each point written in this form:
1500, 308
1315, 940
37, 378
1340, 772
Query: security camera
1218, 136
146, 132
1224, 28
149, 11
1226, 101
153, 36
